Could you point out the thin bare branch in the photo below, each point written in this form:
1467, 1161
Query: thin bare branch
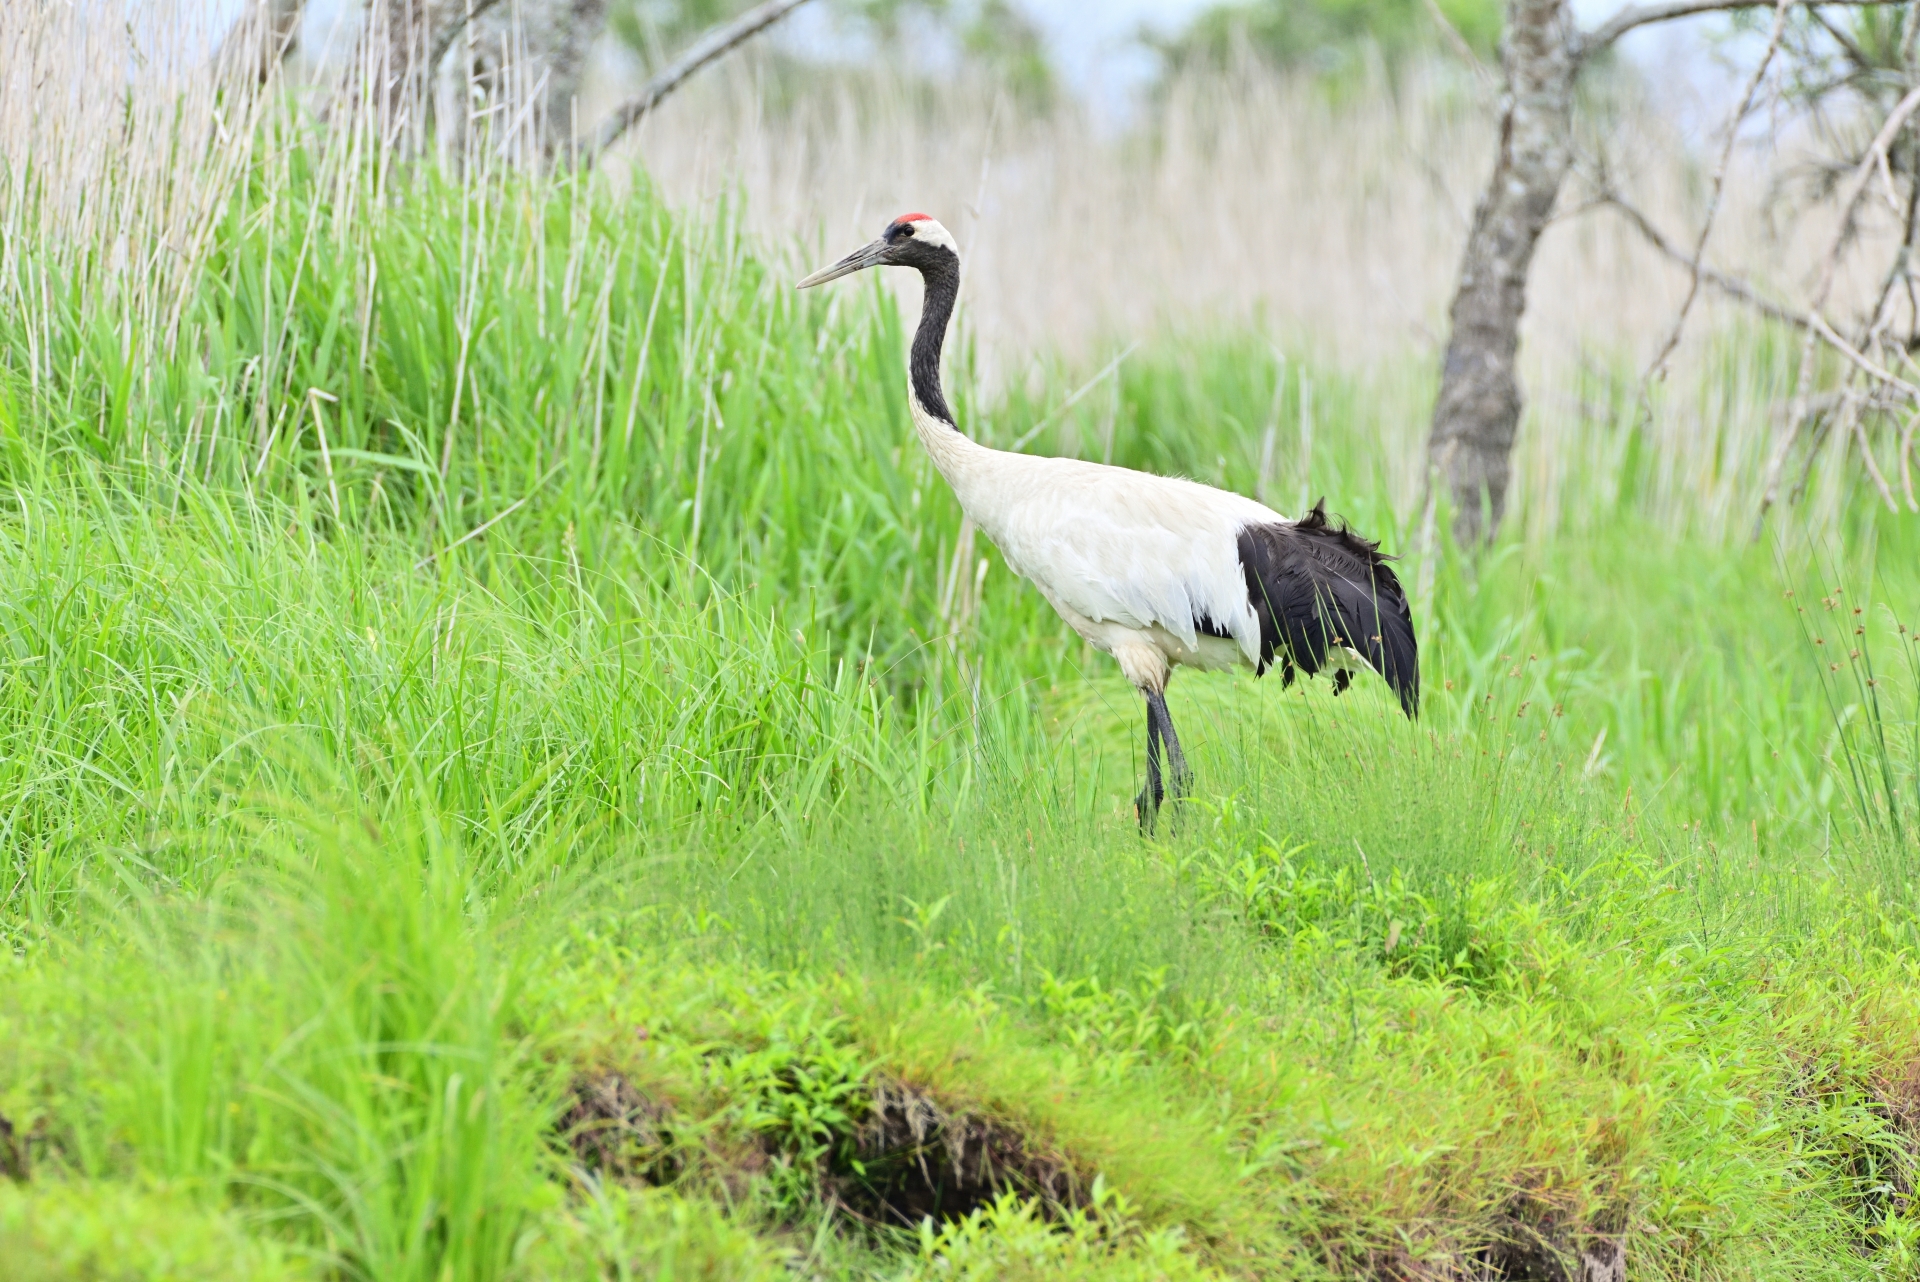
1817, 327
1731, 286
715, 42
1857, 188
1897, 391
1658, 368
1873, 465
1881, 315
1641, 15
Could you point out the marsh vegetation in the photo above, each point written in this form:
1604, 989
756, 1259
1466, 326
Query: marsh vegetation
512, 768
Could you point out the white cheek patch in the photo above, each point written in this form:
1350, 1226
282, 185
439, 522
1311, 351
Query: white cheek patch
929, 231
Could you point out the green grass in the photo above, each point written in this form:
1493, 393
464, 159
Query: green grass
503, 641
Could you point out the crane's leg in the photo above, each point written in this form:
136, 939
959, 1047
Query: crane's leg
1147, 804
1160, 727
1176, 759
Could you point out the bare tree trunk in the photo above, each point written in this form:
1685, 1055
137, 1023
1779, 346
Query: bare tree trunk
547, 39
401, 37
564, 46
555, 37
265, 34
1478, 409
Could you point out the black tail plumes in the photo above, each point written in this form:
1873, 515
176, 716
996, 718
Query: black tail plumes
1314, 586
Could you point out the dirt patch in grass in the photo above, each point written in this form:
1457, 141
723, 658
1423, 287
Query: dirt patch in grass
16, 1149
1898, 1100
1536, 1245
910, 1156
919, 1157
1529, 1239
1865, 1129
618, 1131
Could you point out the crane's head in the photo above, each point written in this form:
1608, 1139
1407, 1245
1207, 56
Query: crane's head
911, 240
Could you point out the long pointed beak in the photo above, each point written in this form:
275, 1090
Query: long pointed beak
858, 260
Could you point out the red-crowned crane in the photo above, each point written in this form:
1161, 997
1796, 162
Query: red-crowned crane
1154, 570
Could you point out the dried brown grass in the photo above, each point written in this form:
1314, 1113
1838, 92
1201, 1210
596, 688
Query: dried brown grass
119, 139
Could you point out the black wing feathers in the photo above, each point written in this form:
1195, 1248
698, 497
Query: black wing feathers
1315, 585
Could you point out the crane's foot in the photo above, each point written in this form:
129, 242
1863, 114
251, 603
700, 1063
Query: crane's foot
1146, 808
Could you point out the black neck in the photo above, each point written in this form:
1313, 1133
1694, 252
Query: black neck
941, 272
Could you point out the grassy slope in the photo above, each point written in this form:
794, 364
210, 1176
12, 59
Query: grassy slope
340, 853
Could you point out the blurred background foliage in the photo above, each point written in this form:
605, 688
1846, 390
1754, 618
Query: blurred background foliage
1324, 35
992, 37
997, 39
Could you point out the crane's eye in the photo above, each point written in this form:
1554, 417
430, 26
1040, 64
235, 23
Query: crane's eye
906, 229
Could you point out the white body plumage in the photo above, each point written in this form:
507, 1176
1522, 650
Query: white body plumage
1131, 560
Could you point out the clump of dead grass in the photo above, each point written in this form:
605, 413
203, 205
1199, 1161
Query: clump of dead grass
920, 1158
